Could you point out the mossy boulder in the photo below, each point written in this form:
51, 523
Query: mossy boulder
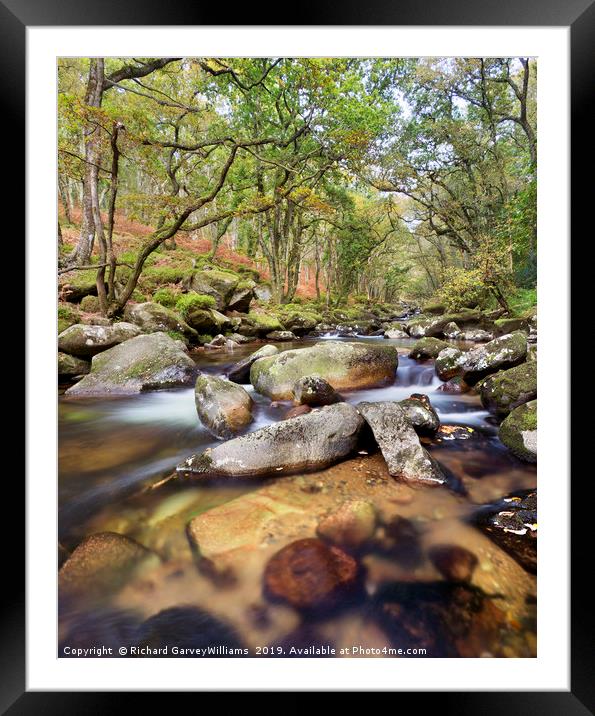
193, 301
426, 348
85, 341
449, 363
501, 353
519, 431
281, 336
434, 326
451, 330
308, 442
299, 319
435, 309
502, 326
68, 315
75, 285
70, 366
147, 362
346, 366
223, 407
507, 389
264, 323
153, 318
218, 283
90, 304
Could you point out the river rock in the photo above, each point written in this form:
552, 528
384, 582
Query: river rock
101, 563
503, 326
499, 354
512, 524
242, 296
345, 366
507, 389
70, 366
454, 386
308, 574
240, 372
147, 362
393, 333
434, 325
153, 317
427, 348
400, 446
351, 525
421, 414
221, 341
223, 407
519, 431
281, 336
86, 341
455, 563
451, 330
449, 363
308, 442
477, 335
313, 391
297, 410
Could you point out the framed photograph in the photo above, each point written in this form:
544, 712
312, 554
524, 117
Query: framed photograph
291, 291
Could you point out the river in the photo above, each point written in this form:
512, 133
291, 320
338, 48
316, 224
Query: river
112, 452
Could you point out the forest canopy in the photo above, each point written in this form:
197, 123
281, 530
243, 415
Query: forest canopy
339, 178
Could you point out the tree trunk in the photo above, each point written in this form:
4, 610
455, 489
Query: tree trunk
84, 248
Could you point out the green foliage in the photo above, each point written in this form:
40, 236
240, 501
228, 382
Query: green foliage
461, 288
67, 316
191, 301
523, 301
166, 297
177, 336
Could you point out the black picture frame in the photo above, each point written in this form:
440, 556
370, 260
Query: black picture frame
579, 15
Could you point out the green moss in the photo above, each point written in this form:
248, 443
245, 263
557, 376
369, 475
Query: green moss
204, 338
190, 301
166, 297
90, 304
264, 321
67, 316
523, 302
176, 336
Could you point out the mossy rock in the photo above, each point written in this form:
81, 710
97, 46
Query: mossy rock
426, 348
502, 326
519, 431
218, 283
346, 366
449, 363
500, 354
166, 297
75, 285
152, 317
90, 304
67, 316
264, 322
435, 309
147, 362
507, 389
70, 366
191, 301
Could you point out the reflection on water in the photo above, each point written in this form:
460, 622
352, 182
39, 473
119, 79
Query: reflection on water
112, 451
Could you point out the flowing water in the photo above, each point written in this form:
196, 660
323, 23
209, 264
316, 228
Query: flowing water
113, 452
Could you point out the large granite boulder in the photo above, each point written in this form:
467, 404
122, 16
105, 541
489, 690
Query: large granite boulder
70, 366
449, 362
421, 414
147, 362
346, 366
308, 442
219, 284
86, 341
426, 348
